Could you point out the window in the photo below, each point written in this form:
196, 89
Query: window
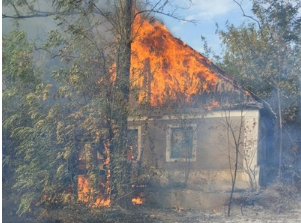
181, 143
134, 143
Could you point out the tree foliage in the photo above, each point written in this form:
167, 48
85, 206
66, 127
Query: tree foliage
264, 54
48, 122
81, 103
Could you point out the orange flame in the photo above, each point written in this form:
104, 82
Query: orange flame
137, 200
214, 104
163, 67
85, 193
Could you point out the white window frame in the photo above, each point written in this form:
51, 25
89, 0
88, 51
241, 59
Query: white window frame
168, 143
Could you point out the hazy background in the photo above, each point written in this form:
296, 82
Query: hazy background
206, 13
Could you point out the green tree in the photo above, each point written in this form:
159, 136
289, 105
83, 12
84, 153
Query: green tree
265, 57
22, 111
47, 125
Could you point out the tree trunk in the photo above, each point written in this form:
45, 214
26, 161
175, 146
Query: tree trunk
119, 167
233, 179
279, 131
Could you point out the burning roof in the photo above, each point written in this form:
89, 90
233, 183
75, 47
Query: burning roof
164, 68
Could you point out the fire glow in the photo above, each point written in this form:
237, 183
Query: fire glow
137, 201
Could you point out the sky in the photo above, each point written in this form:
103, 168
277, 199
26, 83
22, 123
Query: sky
208, 13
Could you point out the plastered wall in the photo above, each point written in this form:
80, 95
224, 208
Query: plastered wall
216, 137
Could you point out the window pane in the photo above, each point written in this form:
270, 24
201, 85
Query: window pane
132, 142
181, 142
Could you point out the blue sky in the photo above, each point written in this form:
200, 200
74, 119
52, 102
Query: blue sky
207, 13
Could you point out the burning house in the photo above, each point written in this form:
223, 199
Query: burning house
194, 123
191, 125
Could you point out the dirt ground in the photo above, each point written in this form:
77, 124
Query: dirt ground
273, 205
140, 214
254, 214
267, 207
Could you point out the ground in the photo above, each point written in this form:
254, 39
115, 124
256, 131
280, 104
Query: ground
254, 214
273, 205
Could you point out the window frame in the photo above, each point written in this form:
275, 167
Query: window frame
169, 128
138, 141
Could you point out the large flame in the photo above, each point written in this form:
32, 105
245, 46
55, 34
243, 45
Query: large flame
165, 68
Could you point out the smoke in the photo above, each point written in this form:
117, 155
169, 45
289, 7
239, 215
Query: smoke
37, 28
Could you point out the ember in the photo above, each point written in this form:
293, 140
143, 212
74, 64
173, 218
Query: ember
137, 200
